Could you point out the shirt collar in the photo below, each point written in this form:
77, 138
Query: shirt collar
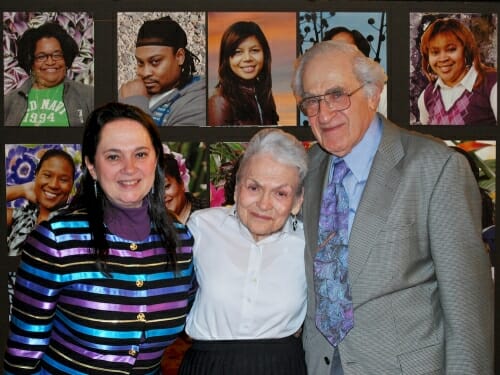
160, 98
359, 160
467, 82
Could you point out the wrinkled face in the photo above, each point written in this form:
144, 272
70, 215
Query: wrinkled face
174, 195
337, 131
447, 58
248, 59
53, 183
125, 162
265, 195
159, 67
51, 72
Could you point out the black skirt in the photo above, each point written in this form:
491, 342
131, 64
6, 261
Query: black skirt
245, 357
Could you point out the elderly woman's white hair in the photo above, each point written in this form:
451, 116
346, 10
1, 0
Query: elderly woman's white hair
282, 147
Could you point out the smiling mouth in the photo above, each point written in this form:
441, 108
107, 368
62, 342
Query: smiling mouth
445, 68
129, 183
248, 69
50, 195
259, 216
332, 127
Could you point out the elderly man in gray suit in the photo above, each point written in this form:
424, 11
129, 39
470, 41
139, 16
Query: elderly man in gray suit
401, 284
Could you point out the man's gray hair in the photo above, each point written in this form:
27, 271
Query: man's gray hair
365, 69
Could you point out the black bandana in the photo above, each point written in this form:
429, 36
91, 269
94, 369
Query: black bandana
161, 32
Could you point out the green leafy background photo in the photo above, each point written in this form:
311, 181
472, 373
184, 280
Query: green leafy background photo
192, 159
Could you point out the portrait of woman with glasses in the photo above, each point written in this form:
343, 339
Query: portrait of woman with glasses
48, 97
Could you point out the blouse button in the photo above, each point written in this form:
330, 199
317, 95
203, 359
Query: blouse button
132, 352
141, 317
133, 246
139, 283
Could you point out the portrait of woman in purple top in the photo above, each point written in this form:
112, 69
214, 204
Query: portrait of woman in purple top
461, 89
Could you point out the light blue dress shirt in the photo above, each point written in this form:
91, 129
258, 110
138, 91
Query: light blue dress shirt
359, 161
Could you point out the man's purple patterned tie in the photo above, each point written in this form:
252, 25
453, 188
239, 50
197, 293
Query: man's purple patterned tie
334, 312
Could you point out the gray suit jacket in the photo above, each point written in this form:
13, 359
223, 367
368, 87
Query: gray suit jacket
420, 277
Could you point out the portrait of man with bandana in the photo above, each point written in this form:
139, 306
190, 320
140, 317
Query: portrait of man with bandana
166, 84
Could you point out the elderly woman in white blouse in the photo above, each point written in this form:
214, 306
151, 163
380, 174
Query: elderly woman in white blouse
249, 263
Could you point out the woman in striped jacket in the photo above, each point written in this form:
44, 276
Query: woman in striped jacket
104, 287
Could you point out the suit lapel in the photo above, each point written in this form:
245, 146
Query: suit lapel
375, 204
376, 201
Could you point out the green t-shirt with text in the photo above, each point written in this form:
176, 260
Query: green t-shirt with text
46, 107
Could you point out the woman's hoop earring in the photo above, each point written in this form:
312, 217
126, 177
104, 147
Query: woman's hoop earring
468, 63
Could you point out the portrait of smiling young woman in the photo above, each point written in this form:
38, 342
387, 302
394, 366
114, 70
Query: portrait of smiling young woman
457, 65
250, 57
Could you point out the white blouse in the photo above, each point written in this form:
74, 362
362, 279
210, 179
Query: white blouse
247, 289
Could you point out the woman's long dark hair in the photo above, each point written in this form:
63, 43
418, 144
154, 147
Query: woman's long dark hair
171, 168
92, 199
230, 83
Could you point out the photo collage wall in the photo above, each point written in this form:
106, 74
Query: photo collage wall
236, 69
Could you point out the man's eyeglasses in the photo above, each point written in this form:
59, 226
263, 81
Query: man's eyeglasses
336, 100
42, 57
